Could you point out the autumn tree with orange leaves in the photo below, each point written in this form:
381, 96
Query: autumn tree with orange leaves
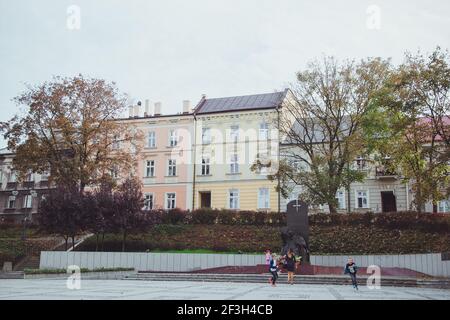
70, 131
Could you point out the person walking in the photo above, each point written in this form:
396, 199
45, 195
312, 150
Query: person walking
268, 256
351, 268
273, 268
290, 263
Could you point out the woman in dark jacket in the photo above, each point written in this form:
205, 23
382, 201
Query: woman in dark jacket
290, 263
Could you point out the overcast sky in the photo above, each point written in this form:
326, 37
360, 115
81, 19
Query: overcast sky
174, 50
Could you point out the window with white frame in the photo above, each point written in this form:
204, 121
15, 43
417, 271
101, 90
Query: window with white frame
151, 139
114, 173
172, 168
234, 133
360, 163
263, 131
444, 206
263, 198
149, 168
28, 201
205, 166
45, 175
11, 204
234, 163
362, 199
234, 199
173, 138
340, 197
12, 176
265, 163
171, 202
206, 135
30, 177
148, 201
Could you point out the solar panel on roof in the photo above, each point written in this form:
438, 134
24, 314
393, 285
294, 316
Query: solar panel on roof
267, 100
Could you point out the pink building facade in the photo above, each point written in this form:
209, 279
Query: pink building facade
164, 161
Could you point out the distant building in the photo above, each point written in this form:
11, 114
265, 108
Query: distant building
19, 201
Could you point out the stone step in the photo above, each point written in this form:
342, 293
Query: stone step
29, 262
12, 275
261, 278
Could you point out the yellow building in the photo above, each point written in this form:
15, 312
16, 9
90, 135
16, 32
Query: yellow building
230, 134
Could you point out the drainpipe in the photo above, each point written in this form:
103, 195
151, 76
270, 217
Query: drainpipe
195, 161
348, 192
407, 196
279, 157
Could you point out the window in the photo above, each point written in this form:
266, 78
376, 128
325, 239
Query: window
28, 201
13, 176
340, 197
11, 202
234, 164
170, 200
150, 168
206, 135
173, 138
205, 166
172, 168
116, 143
360, 163
263, 198
45, 175
263, 131
148, 201
151, 139
114, 173
30, 177
444, 206
234, 199
264, 162
362, 199
234, 133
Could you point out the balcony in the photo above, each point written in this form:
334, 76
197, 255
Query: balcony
44, 184
383, 173
11, 185
28, 184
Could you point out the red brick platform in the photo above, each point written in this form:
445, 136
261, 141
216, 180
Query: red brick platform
310, 270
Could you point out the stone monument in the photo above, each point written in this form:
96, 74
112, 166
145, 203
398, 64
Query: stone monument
295, 235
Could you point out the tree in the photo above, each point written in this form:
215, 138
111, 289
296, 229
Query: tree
69, 130
61, 213
320, 125
408, 122
128, 203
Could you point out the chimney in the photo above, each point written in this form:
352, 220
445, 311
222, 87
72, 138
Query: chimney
147, 108
186, 106
131, 108
157, 108
137, 109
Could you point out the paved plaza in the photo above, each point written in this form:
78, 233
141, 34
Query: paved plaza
149, 290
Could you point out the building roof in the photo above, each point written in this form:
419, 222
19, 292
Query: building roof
241, 103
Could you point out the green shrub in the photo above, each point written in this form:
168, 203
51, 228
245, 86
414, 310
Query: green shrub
174, 216
226, 217
204, 216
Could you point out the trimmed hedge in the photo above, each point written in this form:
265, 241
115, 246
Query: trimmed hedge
341, 239
404, 220
431, 222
